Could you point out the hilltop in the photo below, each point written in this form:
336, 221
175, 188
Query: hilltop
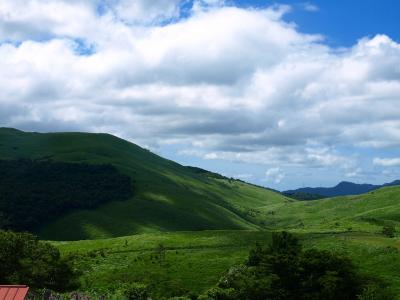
168, 196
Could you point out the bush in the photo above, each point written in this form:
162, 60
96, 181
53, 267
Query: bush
218, 293
135, 291
375, 291
389, 231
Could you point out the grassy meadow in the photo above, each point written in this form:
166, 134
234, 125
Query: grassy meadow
194, 261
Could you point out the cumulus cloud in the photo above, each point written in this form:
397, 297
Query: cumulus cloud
236, 84
387, 162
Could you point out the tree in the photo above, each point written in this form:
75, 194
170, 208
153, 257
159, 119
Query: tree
26, 260
282, 270
327, 275
34, 192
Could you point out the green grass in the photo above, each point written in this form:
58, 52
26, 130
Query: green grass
196, 260
364, 213
168, 197
202, 257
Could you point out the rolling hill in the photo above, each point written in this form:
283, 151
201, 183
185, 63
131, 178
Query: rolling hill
363, 213
168, 196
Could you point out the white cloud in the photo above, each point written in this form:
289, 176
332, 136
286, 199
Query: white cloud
275, 175
236, 84
387, 162
310, 7
290, 156
20, 20
134, 11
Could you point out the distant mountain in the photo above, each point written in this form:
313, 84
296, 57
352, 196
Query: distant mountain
342, 189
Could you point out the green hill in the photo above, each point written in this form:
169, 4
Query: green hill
168, 196
366, 213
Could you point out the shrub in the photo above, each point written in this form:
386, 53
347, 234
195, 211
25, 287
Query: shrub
135, 291
389, 231
218, 293
374, 291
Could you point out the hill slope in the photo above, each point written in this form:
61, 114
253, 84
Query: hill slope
168, 196
367, 213
341, 189
351, 225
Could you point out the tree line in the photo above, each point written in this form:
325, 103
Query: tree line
34, 192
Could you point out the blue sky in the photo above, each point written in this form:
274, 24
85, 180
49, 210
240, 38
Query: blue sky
343, 22
281, 94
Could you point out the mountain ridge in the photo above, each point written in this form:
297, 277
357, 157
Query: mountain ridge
343, 188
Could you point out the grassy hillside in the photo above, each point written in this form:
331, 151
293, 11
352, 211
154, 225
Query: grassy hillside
194, 261
363, 213
168, 196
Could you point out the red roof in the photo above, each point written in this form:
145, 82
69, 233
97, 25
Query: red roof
13, 292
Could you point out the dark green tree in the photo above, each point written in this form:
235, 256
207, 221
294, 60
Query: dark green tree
282, 270
26, 260
34, 192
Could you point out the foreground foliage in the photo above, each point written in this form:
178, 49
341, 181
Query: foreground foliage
194, 262
283, 270
26, 260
